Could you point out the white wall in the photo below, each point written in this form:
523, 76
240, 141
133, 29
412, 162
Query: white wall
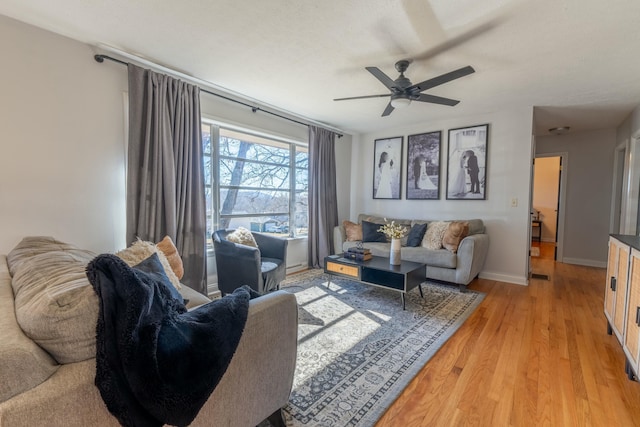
589, 181
509, 168
62, 140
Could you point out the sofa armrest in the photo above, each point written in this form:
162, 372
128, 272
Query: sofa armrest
339, 237
257, 382
270, 246
259, 378
472, 254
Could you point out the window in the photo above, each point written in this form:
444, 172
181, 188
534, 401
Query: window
255, 181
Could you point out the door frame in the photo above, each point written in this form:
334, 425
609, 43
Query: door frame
562, 199
620, 185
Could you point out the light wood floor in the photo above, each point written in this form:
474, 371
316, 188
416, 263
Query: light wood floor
535, 355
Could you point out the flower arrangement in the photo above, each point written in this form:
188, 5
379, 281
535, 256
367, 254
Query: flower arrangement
393, 230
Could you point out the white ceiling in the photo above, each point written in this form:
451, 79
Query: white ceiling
577, 61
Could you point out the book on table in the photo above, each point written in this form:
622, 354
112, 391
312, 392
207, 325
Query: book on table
357, 250
357, 256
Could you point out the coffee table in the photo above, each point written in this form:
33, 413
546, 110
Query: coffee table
378, 272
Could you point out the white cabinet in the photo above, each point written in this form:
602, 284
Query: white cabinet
616, 287
632, 318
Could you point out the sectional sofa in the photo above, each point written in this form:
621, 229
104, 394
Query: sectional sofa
47, 379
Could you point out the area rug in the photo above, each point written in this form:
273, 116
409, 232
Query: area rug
357, 348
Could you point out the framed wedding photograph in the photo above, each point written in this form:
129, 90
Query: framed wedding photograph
423, 166
387, 164
467, 163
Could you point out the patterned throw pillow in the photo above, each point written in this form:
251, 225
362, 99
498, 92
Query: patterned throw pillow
435, 232
242, 236
353, 231
456, 231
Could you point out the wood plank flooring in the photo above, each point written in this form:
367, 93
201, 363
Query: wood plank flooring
535, 355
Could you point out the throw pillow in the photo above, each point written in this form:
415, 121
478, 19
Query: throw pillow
433, 237
141, 250
370, 232
154, 270
353, 231
416, 234
171, 252
242, 236
454, 234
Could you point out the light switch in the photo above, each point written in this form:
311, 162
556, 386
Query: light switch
514, 202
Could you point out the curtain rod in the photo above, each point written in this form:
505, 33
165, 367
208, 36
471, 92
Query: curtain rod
101, 58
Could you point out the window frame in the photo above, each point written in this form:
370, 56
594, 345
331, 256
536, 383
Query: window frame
215, 129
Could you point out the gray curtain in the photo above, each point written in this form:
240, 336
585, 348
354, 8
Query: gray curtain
165, 173
323, 207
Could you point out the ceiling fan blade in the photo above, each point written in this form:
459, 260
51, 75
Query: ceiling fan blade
388, 110
455, 41
362, 97
436, 100
384, 79
444, 78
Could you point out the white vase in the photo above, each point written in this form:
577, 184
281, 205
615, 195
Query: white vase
394, 255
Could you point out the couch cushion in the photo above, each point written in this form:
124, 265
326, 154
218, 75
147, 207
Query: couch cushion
171, 253
141, 250
154, 270
434, 258
433, 237
23, 364
370, 232
193, 298
242, 236
352, 230
456, 231
416, 234
55, 304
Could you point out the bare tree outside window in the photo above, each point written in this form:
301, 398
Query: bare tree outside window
262, 183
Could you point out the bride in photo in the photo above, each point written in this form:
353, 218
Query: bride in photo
384, 184
424, 182
458, 184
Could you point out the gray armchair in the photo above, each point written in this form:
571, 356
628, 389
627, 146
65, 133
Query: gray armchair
262, 268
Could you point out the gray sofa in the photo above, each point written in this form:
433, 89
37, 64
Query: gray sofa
442, 265
37, 390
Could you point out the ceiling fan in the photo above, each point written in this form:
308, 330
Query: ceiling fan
402, 91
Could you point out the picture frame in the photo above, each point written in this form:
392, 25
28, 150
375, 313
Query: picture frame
467, 163
423, 166
387, 165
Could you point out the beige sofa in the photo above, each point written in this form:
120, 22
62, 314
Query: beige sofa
38, 390
442, 265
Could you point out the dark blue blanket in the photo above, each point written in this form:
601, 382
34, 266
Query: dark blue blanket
157, 363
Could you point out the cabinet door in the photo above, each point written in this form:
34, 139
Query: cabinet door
615, 296
612, 272
632, 327
622, 281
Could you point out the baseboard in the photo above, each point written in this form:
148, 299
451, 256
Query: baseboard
498, 277
585, 262
296, 268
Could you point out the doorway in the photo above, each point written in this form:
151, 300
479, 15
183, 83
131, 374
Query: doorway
547, 205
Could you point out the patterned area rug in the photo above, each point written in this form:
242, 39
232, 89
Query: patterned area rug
357, 348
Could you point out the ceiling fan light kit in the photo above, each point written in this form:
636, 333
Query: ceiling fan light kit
402, 91
400, 102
